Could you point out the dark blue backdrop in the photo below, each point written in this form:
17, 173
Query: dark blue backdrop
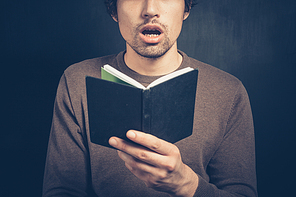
251, 39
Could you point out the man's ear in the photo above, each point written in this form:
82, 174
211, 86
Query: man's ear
185, 16
115, 18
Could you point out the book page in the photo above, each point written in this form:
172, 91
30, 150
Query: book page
169, 76
109, 77
122, 76
133, 82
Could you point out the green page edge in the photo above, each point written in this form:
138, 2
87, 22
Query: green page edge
109, 77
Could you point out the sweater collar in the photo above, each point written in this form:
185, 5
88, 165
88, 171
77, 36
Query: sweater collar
144, 79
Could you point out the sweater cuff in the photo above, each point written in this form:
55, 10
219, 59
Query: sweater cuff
204, 188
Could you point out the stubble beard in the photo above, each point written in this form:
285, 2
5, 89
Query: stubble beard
150, 50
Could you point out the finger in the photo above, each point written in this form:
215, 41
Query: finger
134, 162
121, 144
138, 152
139, 168
151, 142
141, 153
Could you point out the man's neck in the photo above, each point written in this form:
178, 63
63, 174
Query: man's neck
165, 64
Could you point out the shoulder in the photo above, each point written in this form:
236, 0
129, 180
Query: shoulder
215, 86
89, 67
75, 74
72, 81
209, 75
214, 79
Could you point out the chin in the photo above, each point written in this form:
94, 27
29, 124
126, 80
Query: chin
152, 51
151, 55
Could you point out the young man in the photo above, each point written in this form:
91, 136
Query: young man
218, 159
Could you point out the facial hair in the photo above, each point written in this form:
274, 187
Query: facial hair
150, 50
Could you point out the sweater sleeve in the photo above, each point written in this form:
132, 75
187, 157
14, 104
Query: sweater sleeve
66, 172
232, 168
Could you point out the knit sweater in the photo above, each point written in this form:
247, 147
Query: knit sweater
220, 150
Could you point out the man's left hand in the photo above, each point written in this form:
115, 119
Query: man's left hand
157, 162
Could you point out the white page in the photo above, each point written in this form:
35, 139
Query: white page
169, 76
123, 77
133, 82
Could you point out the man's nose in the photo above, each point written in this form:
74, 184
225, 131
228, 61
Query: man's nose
151, 9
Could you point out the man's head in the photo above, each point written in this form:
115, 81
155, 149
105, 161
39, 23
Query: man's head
111, 6
150, 27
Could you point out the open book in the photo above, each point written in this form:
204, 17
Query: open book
118, 103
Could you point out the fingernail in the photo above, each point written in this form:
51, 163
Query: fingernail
112, 142
131, 134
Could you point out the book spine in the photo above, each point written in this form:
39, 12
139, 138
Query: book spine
146, 107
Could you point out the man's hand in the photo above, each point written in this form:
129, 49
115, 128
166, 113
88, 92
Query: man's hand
157, 162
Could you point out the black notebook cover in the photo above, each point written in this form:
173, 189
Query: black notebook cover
165, 110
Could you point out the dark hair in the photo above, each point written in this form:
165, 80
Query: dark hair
112, 7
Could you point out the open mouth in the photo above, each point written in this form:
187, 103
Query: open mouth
151, 32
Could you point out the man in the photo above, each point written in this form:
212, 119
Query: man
217, 159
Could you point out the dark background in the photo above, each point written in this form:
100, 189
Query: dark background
251, 39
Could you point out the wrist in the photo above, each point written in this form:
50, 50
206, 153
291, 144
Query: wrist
189, 185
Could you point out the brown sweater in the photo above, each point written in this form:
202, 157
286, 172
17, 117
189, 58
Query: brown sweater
220, 150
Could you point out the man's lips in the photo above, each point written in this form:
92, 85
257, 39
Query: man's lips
151, 34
